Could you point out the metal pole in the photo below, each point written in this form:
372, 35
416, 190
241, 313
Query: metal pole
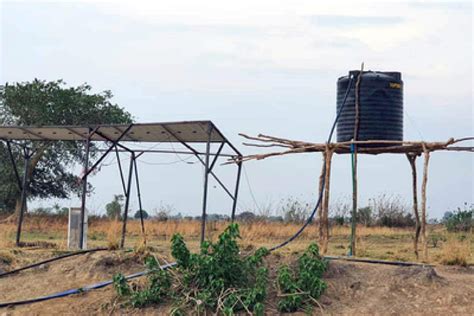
127, 200
236, 191
15, 169
354, 201
84, 192
119, 164
139, 195
206, 181
24, 192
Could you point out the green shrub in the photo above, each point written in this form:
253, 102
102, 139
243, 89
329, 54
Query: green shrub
300, 288
460, 220
216, 279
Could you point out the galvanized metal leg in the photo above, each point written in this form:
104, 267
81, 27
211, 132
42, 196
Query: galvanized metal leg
236, 191
15, 168
206, 181
24, 192
127, 200
139, 196
119, 164
84, 193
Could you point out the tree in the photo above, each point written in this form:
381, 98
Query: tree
114, 208
364, 216
246, 217
41, 103
144, 214
461, 220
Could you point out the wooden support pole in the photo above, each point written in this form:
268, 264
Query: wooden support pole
325, 208
424, 237
320, 208
412, 160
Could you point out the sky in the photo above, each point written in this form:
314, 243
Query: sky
257, 67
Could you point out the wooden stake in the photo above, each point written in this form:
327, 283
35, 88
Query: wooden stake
320, 208
423, 203
325, 208
412, 160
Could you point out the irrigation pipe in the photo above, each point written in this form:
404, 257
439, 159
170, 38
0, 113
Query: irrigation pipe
393, 263
170, 265
323, 183
79, 290
72, 254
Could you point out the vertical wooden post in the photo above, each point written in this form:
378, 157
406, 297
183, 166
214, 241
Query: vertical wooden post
412, 160
320, 208
325, 208
424, 237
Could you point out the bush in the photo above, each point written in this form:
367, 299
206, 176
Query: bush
304, 286
391, 211
460, 220
364, 216
114, 208
217, 279
143, 213
295, 211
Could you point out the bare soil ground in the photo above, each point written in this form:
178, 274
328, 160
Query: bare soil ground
353, 288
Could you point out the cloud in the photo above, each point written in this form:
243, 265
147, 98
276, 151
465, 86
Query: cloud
344, 21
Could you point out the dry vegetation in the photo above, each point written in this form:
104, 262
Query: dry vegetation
353, 288
373, 242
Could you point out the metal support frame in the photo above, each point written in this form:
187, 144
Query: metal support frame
208, 170
236, 190
87, 144
15, 168
24, 193
206, 185
115, 142
122, 179
139, 196
127, 199
133, 167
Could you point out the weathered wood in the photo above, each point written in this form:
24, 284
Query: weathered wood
424, 236
398, 147
320, 207
325, 204
412, 160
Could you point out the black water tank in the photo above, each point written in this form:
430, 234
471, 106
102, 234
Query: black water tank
380, 106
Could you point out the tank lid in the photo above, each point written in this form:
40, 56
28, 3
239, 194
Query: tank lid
394, 75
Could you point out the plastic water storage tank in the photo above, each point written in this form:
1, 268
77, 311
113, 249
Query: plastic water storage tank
380, 106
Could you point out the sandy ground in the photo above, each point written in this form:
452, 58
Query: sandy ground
354, 288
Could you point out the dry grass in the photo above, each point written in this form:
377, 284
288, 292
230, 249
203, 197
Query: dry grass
456, 251
113, 233
372, 242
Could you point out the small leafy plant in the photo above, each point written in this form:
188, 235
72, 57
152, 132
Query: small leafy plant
157, 286
302, 287
217, 279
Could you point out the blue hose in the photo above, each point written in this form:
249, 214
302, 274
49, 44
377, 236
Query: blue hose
79, 290
323, 184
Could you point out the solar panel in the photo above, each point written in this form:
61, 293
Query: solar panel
168, 132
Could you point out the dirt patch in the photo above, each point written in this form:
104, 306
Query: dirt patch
353, 288
419, 274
